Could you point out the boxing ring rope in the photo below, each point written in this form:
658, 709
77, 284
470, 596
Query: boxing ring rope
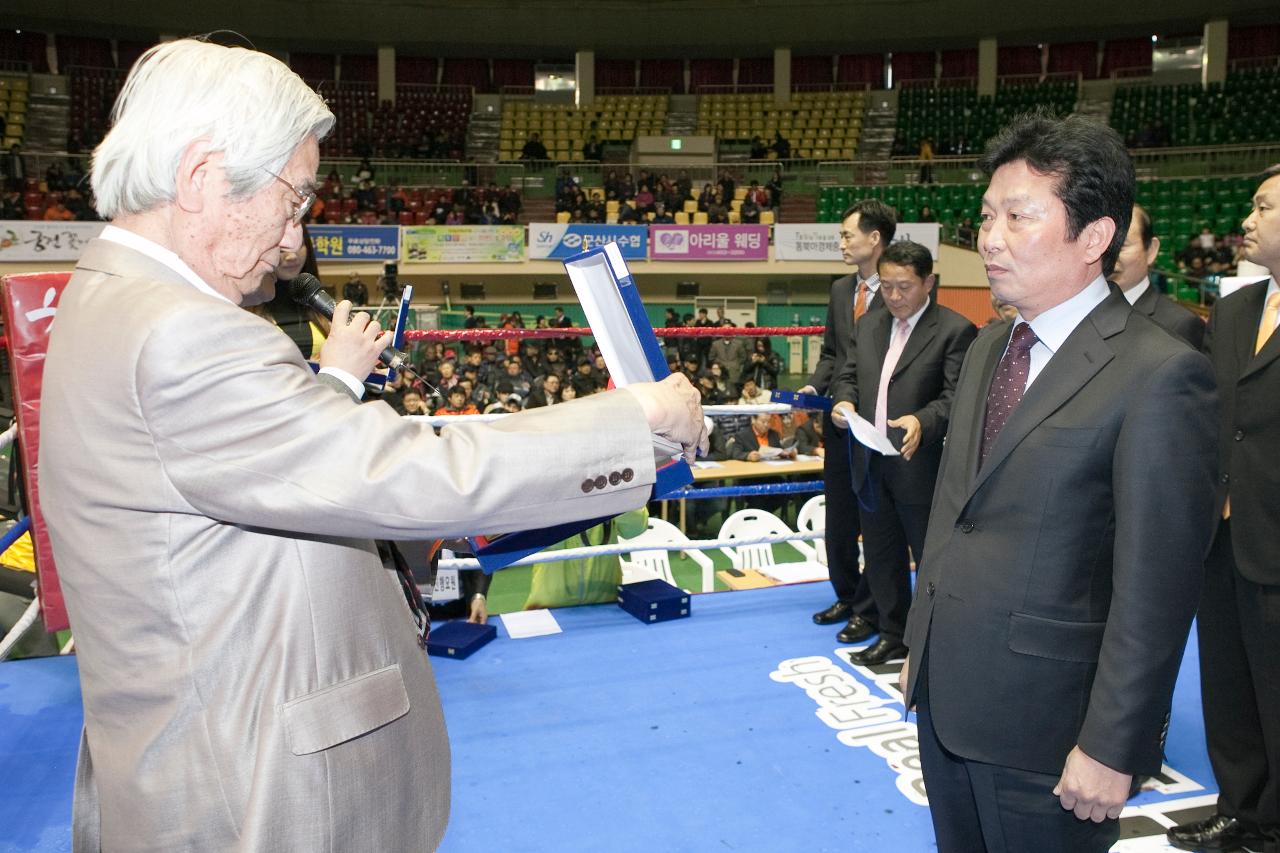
476, 334
629, 547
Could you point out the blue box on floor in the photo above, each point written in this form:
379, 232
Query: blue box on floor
653, 601
459, 639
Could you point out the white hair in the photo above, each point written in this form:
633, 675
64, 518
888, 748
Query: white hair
249, 106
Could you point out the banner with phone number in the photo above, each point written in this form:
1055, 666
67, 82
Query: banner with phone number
355, 242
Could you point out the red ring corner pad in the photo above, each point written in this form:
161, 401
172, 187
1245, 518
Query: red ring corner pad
30, 304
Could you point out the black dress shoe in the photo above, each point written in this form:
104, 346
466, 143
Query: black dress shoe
879, 652
1214, 833
856, 631
838, 612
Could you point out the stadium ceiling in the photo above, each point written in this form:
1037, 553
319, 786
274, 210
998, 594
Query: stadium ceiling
554, 29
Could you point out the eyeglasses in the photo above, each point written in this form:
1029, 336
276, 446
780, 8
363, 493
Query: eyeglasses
302, 206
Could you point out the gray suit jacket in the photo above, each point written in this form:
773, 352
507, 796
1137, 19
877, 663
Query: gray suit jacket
252, 678
1059, 580
1171, 317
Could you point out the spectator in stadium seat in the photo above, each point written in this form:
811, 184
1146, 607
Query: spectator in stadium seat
731, 351
458, 404
533, 149
718, 210
660, 215
706, 198
774, 188
12, 208
759, 151
644, 200
546, 394
967, 233
412, 403
15, 168
752, 394
592, 150
809, 438
781, 146
749, 211
762, 364
57, 211
364, 172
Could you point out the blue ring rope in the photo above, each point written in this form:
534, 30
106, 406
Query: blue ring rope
15, 533
804, 487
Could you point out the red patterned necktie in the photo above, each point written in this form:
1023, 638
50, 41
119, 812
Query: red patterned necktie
1007, 386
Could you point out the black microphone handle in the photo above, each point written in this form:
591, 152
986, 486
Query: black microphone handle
325, 304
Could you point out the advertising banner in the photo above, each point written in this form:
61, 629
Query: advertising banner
821, 241
709, 242
24, 240
355, 242
452, 244
564, 240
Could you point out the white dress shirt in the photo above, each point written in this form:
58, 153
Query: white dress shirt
159, 253
1054, 326
1137, 290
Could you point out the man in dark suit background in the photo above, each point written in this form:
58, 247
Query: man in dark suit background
901, 375
1073, 509
1239, 620
866, 228
1132, 275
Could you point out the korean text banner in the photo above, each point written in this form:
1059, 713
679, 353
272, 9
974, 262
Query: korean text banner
45, 241
355, 242
464, 244
564, 240
821, 241
709, 242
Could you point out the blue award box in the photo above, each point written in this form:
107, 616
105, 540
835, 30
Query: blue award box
797, 400
654, 601
459, 639
618, 321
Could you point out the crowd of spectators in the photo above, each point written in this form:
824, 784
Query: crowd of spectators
518, 374
361, 200
1208, 254
647, 197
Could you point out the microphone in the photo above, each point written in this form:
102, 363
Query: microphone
307, 291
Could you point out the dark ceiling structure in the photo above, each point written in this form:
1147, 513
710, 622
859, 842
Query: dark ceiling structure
555, 29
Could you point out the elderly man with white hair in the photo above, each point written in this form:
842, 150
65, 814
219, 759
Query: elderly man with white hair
252, 677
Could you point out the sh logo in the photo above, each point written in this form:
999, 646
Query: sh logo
47, 311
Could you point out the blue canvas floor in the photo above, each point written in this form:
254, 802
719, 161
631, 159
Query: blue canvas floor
690, 735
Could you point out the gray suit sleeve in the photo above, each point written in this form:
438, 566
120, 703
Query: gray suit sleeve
247, 436
1163, 482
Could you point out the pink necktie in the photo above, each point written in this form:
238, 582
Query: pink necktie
901, 331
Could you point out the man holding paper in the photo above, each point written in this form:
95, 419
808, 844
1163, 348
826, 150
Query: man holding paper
901, 375
866, 228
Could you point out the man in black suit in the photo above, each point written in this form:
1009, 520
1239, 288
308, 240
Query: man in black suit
1239, 620
1132, 275
901, 375
1074, 505
866, 228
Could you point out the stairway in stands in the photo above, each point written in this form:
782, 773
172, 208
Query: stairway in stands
537, 210
878, 128
48, 114
483, 131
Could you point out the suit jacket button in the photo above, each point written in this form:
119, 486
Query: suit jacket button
601, 482
614, 478
930, 588
588, 485
1226, 478
1239, 435
966, 527
627, 475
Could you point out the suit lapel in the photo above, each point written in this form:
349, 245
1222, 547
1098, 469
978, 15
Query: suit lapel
1245, 323
1146, 303
117, 259
1078, 360
926, 328
1271, 349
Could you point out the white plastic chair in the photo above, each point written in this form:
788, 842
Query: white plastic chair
754, 523
654, 562
813, 516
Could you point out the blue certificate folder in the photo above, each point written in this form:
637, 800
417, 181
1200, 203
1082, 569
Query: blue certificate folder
618, 321
801, 401
459, 639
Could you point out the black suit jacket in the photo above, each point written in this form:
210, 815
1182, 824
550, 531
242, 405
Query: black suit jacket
1171, 316
807, 439
837, 340
744, 441
923, 384
1059, 581
1249, 433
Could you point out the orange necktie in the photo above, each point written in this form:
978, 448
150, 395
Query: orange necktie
860, 302
1268, 322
